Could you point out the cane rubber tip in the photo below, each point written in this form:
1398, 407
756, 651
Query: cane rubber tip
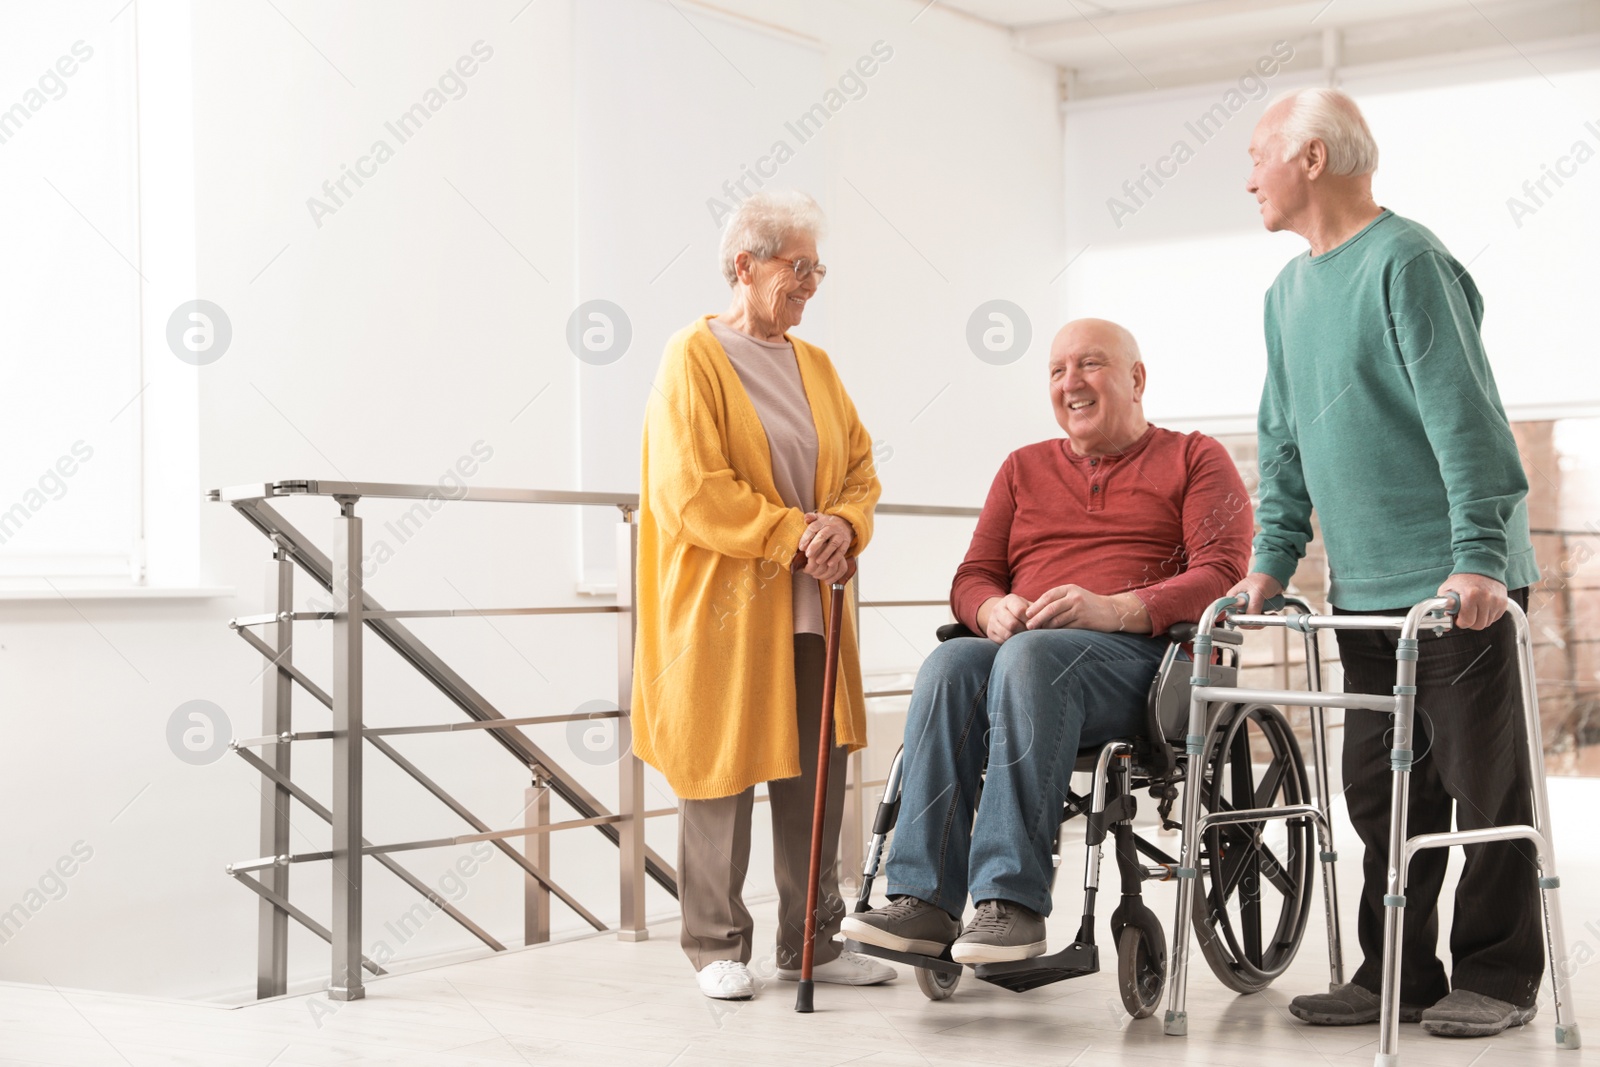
802, 997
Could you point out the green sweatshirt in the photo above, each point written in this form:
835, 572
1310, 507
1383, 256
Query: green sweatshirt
1381, 411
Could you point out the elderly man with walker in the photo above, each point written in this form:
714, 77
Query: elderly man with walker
1380, 409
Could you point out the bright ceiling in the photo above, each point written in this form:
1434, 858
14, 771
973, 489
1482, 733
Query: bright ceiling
1120, 46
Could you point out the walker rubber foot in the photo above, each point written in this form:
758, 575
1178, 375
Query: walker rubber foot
802, 997
1567, 1037
1176, 1024
1385, 1060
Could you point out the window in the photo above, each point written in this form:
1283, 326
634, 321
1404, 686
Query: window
70, 331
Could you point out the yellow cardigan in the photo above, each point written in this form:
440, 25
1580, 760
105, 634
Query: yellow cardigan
713, 673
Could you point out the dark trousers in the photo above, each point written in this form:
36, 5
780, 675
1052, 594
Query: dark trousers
1469, 741
714, 847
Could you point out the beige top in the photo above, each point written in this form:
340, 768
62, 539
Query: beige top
771, 375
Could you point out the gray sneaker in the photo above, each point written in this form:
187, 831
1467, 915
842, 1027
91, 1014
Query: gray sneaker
1346, 1005
1467, 1014
905, 924
1000, 932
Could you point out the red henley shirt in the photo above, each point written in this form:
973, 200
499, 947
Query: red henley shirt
1168, 519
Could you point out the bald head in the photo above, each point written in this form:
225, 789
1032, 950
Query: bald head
1109, 337
1097, 386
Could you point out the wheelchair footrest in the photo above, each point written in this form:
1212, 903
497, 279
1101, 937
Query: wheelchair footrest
938, 964
1019, 976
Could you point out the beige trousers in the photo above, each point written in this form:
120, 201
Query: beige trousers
714, 847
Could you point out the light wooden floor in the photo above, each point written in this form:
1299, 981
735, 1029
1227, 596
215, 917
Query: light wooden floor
600, 1002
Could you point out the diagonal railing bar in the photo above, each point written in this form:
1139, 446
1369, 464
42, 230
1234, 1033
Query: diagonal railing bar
482, 827
323, 813
414, 651
289, 669
299, 916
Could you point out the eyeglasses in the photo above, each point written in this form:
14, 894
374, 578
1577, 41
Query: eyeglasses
804, 268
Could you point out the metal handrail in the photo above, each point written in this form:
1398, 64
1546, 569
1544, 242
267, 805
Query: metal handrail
421, 491
341, 575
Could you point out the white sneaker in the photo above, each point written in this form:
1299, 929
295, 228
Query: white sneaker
851, 968
726, 980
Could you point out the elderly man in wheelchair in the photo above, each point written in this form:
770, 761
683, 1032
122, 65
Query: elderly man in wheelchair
1087, 550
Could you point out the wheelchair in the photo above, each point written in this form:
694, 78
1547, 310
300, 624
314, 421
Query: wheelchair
1251, 897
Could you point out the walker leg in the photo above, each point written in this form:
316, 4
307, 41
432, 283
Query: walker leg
1394, 919
1327, 855
1549, 881
1394, 897
1176, 1021
1560, 968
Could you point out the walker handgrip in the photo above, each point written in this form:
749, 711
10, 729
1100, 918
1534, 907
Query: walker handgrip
1226, 606
1455, 609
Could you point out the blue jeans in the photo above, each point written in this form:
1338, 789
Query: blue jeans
1024, 708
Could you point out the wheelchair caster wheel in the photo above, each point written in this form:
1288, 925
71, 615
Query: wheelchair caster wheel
1141, 972
936, 986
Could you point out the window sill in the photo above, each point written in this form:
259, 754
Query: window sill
126, 592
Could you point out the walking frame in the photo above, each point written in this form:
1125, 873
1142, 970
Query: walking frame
1434, 613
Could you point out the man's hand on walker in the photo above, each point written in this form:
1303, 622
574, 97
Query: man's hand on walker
1483, 600
1260, 588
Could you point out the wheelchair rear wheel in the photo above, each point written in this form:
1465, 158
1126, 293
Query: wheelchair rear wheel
1141, 971
936, 986
1254, 887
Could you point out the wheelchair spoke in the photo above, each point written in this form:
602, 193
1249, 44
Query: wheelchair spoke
1249, 881
1235, 857
1270, 782
1250, 906
1282, 879
1242, 782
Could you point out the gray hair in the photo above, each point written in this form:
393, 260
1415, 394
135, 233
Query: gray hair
1332, 117
761, 223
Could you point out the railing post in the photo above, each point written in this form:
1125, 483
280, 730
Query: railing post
536, 847
630, 771
277, 691
852, 841
851, 848
346, 981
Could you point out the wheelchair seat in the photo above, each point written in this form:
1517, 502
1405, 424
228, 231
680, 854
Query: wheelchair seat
1166, 706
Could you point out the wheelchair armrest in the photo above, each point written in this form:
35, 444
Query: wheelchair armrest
952, 630
1181, 633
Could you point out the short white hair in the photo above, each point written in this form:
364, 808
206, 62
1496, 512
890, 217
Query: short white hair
1332, 117
763, 222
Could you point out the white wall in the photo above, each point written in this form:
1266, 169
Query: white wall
1187, 268
412, 323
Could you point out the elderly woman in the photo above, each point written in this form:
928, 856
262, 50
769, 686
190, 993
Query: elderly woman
752, 453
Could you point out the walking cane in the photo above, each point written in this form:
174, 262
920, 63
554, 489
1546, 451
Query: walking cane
830, 680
